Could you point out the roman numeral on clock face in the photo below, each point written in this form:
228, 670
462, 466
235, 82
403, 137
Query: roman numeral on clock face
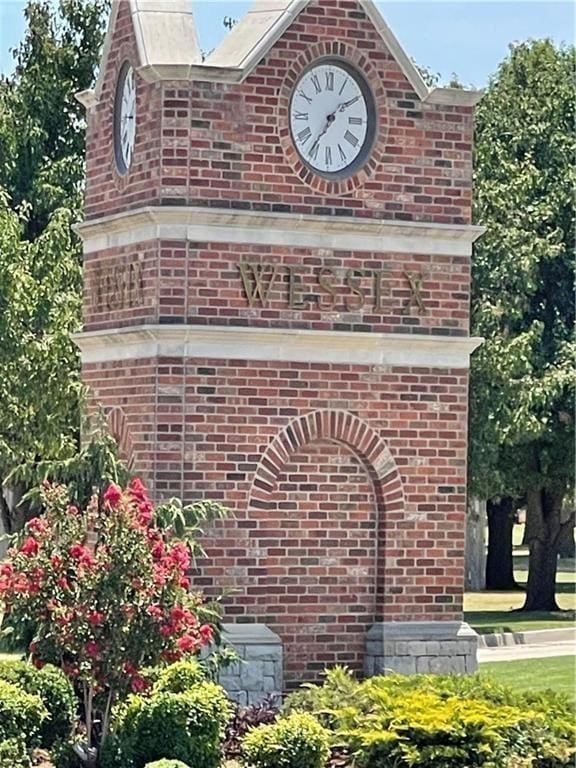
304, 96
355, 121
301, 116
304, 135
316, 83
350, 138
329, 81
328, 156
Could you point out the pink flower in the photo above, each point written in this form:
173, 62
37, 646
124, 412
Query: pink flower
63, 582
38, 663
158, 550
166, 630
180, 556
29, 547
206, 633
92, 649
137, 489
155, 611
95, 618
113, 495
130, 669
72, 510
185, 582
187, 644
139, 684
145, 512
38, 525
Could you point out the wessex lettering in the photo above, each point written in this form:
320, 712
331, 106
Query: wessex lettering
330, 290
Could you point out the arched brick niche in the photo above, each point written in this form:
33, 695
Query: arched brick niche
318, 502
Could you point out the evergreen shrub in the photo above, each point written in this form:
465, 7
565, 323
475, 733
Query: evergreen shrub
296, 741
187, 726
431, 721
21, 715
55, 691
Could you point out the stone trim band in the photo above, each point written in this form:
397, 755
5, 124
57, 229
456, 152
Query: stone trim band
272, 344
276, 229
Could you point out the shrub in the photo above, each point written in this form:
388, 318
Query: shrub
179, 677
56, 692
14, 754
185, 726
428, 721
21, 715
167, 764
297, 741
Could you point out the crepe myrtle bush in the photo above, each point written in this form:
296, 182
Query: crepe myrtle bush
107, 592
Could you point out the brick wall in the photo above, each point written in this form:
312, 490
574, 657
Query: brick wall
225, 145
201, 283
323, 535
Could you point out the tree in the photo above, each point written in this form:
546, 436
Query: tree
39, 308
523, 377
42, 132
41, 181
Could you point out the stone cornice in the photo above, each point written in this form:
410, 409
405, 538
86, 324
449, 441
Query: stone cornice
276, 229
275, 344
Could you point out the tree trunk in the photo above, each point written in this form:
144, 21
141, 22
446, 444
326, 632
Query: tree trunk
545, 527
500, 563
566, 542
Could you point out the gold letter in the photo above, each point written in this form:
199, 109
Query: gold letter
379, 274
294, 298
353, 279
324, 281
415, 280
252, 275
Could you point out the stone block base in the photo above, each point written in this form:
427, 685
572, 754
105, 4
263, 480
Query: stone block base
439, 647
258, 674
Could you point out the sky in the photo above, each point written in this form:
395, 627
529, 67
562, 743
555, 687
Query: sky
467, 38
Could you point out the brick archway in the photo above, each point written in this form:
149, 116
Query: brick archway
327, 485
339, 426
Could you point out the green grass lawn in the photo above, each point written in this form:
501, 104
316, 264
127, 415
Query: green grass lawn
557, 673
497, 611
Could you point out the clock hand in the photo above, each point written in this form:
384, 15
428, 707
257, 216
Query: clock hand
329, 121
347, 104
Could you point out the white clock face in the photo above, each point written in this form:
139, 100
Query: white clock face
332, 118
125, 119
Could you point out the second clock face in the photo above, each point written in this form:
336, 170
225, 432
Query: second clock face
125, 118
332, 118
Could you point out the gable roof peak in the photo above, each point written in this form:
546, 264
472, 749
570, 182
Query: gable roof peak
267, 20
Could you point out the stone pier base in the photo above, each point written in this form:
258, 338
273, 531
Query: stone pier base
258, 674
440, 647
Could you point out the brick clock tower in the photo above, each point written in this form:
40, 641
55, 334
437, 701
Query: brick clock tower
276, 310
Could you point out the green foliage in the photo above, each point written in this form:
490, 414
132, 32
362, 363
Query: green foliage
185, 726
21, 714
40, 301
84, 473
296, 741
14, 754
42, 125
428, 721
188, 520
55, 691
523, 376
179, 677
167, 764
